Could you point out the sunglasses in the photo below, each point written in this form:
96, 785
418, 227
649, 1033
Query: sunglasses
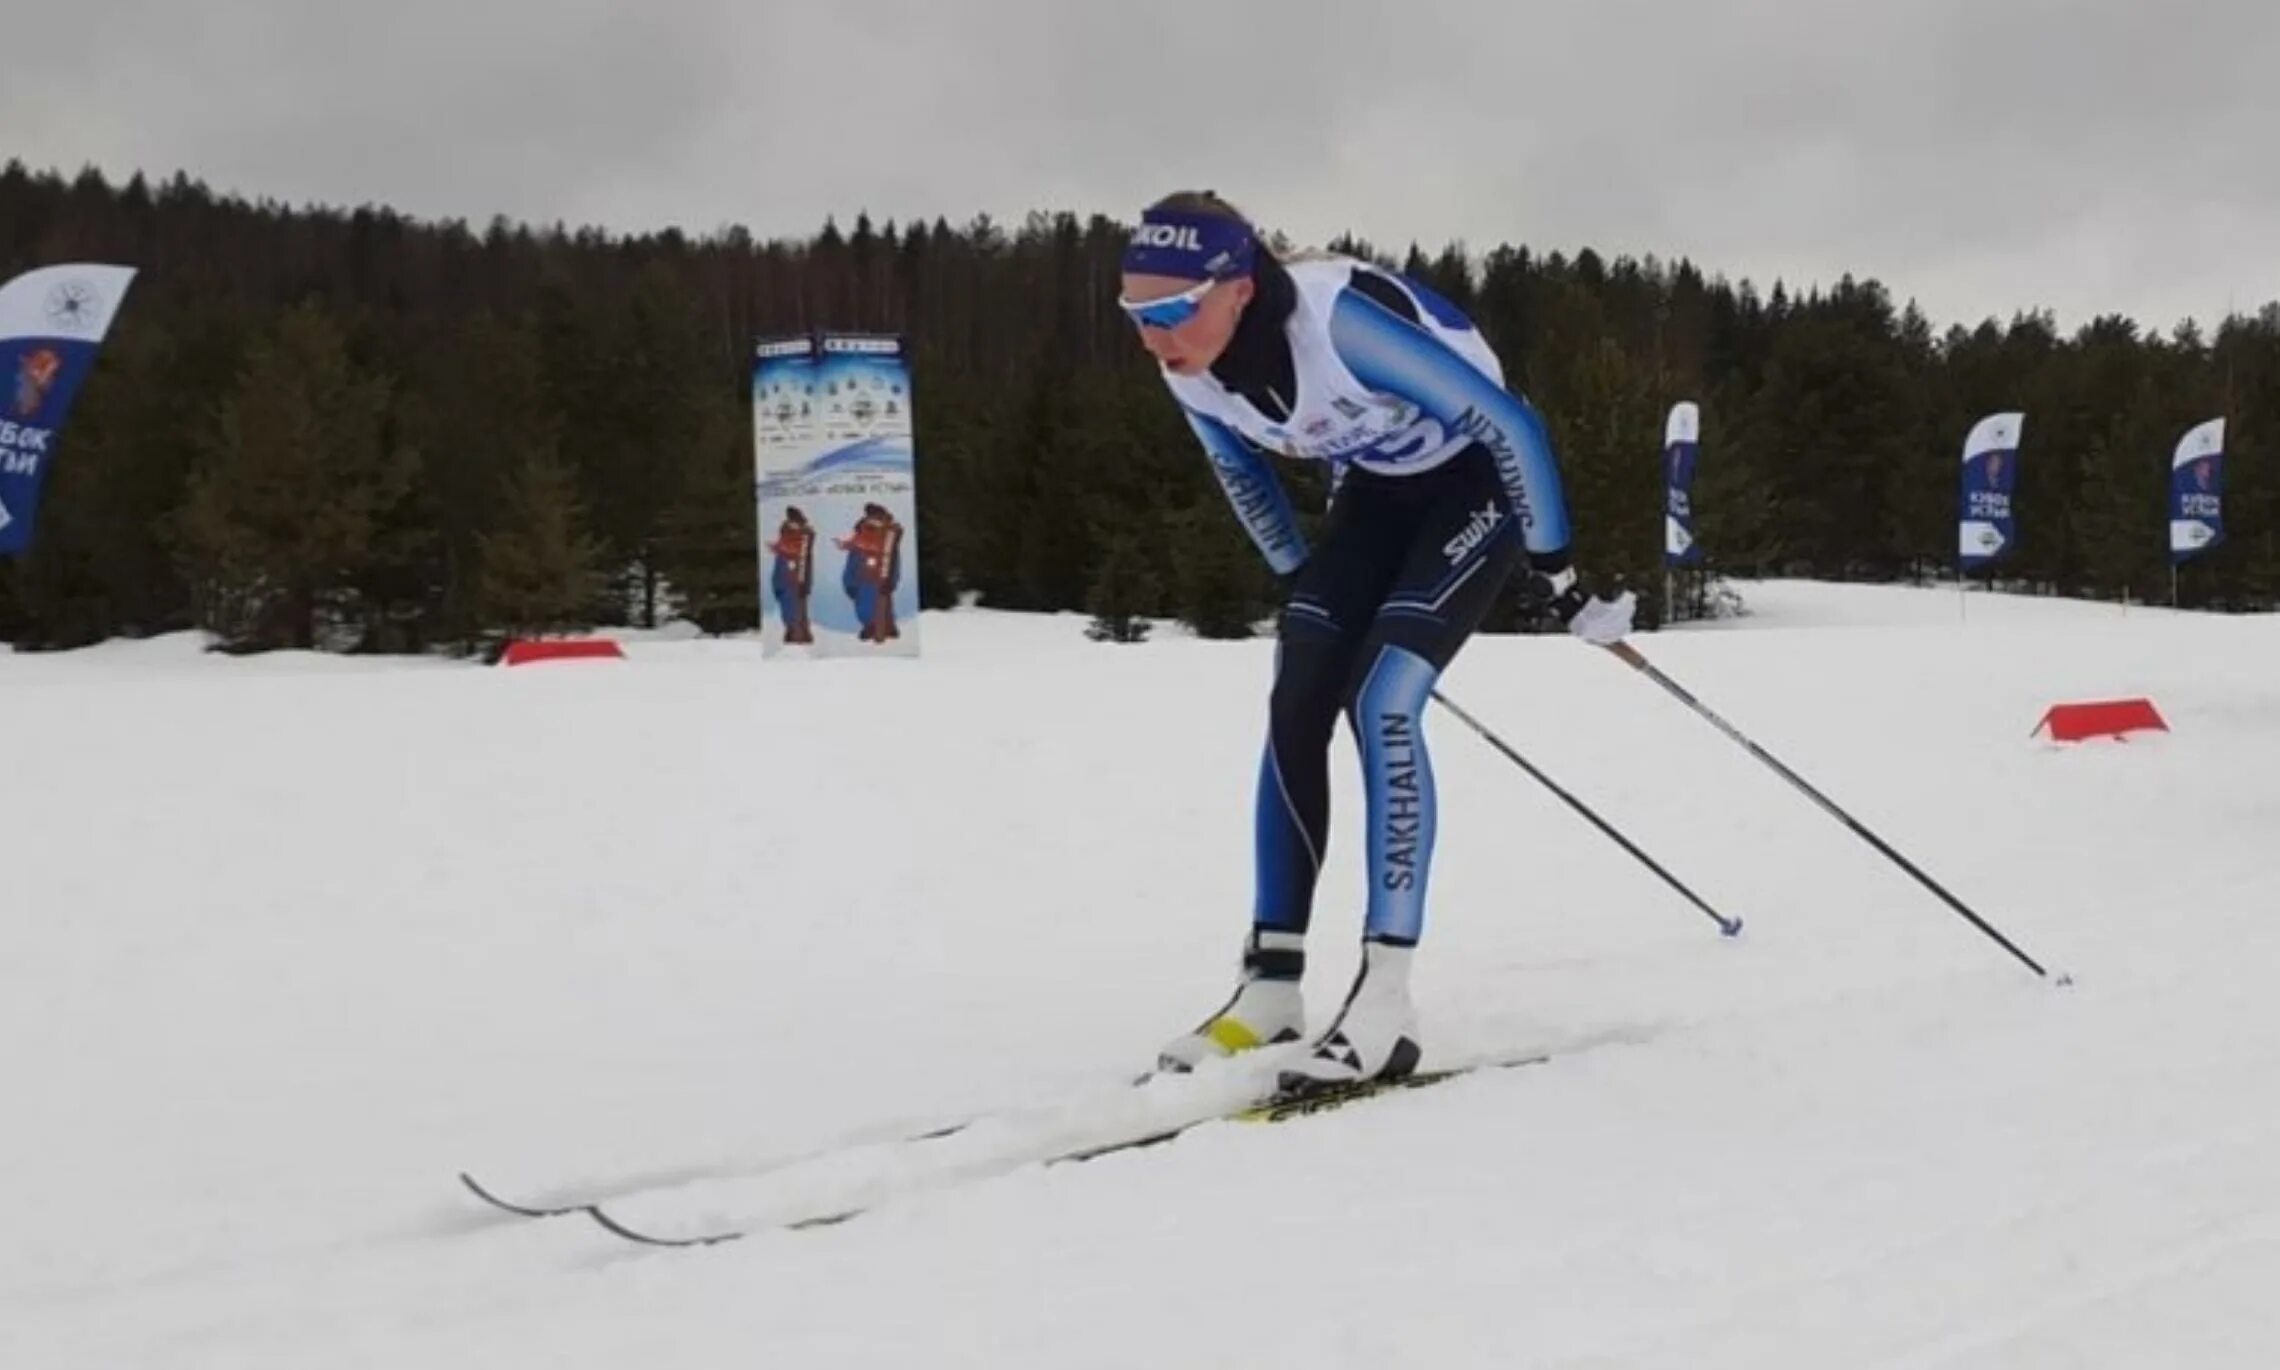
1167, 311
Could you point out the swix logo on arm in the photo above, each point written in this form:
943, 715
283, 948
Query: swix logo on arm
1475, 533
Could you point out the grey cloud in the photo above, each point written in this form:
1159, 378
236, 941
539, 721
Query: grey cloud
1981, 158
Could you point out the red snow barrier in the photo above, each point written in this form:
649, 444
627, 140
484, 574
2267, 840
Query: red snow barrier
522, 651
2100, 718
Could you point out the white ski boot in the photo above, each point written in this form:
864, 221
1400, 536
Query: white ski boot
1267, 1007
1375, 1035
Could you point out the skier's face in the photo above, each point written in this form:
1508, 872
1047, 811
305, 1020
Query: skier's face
1189, 347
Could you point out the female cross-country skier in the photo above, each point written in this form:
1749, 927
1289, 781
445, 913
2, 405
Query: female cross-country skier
1444, 481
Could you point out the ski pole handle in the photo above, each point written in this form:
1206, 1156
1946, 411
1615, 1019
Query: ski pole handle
1627, 654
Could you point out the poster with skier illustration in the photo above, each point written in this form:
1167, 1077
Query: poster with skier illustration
837, 496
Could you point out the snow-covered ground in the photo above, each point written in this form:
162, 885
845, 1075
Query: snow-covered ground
286, 943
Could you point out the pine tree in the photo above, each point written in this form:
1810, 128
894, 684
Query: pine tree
1045, 438
709, 548
1123, 591
541, 572
479, 410
1606, 428
1218, 586
299, 477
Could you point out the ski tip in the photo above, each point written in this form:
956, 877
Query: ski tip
827, 1220
475, 1187
617, 1229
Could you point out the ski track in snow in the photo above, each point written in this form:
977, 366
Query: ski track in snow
291, 940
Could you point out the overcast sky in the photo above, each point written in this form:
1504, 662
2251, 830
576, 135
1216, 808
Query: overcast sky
1979, 156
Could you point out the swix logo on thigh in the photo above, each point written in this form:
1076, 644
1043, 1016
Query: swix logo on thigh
1475, 533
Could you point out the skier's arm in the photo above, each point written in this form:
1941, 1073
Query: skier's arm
1252, 489
1388, 353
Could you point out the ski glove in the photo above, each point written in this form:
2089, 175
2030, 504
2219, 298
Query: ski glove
1600, 622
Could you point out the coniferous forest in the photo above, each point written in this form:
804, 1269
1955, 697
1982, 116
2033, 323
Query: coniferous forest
352, 430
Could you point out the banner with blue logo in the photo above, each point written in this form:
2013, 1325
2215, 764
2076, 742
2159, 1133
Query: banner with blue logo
837, 495
2197, 492
1682, 448
1986, 528
52, 323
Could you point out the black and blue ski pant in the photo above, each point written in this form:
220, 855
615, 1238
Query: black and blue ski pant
1405, 569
